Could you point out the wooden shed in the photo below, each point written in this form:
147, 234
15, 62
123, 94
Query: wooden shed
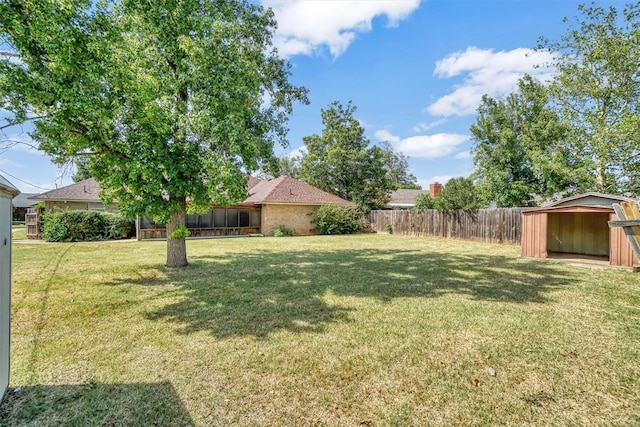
7, 193
577, 226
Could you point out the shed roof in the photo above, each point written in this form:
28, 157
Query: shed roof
86, 190
7, 188
583, 203
287, 190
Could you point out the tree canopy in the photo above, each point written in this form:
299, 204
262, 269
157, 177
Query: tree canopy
175, 102
520, 149
597, 91
341, 162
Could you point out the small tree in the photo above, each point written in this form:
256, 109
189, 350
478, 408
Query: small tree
341, 162
459, 194
424, 202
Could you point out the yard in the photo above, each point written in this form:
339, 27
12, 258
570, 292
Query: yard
356, 330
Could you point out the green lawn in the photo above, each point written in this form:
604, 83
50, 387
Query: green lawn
19, 233
356, 330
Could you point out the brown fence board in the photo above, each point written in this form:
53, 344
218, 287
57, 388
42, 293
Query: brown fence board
502, 225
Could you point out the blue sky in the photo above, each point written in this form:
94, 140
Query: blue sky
416, 71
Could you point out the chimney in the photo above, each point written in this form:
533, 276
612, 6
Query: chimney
434, 189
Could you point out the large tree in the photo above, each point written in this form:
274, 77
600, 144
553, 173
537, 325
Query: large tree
174, 101
520, 149
597, 88
341, 162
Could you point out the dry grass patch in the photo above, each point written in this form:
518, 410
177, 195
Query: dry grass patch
356, 330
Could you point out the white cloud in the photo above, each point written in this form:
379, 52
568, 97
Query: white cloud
442, 179
486, 72
423, 127
298, 152
424, 146
463, 155
305, 27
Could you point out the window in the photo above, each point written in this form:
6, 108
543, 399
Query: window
244, 218
232, 217
219, 218
193, 221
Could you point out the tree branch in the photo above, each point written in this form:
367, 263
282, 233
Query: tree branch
9, 54
8, 125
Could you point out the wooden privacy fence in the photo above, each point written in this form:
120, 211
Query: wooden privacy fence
502, 225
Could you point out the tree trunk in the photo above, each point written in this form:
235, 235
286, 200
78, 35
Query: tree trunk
176, 246
601, 179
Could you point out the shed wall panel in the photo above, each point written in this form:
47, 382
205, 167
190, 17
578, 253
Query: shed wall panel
534, 235
621, 252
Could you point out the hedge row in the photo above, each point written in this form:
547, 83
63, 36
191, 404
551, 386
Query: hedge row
78, 226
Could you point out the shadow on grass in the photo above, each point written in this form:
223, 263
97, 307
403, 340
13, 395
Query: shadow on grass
259, 293
94, 405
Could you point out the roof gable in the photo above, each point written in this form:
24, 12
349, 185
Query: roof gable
287, 190
82, 191
591, 199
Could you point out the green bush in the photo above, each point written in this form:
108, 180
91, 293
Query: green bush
283, 231
424, 202
77, 226
335, 219
119, 227
54, 228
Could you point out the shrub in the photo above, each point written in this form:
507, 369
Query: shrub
76, 226
282, 231
424, 202
54, 228
334, 219
389, 228
119, 227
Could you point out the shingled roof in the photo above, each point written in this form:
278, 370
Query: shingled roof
288, 190
404, 198
82, 191
279, 190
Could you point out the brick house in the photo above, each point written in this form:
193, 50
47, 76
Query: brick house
81, 195
271, 203
279, 201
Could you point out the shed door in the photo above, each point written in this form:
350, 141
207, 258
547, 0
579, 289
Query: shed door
578, 233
